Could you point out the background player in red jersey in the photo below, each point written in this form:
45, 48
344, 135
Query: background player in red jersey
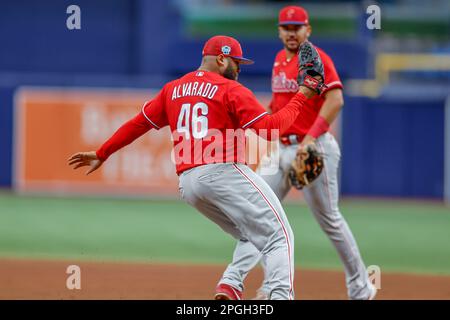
207, 110
310, 127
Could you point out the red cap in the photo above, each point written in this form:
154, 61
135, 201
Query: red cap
227, 46
292, 15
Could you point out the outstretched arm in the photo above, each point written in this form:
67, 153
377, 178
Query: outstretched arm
284, 118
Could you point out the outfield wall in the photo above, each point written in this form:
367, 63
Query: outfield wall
390, 147
393, 147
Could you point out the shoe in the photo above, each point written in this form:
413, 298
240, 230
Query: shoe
226, 292
261, 295
372, 293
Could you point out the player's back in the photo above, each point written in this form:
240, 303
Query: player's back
200, 98
205, 125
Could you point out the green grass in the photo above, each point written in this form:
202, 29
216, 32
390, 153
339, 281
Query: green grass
397, 236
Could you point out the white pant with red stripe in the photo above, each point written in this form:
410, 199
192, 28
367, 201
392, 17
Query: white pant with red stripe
243, 205
322, 198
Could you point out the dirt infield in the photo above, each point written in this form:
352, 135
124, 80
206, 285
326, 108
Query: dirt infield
30, 279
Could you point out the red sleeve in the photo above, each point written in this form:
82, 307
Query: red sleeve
251, 114
282, 119
332, 79
154, 111
242, 103
126, 134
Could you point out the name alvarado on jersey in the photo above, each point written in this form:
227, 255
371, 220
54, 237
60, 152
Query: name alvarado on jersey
194, 89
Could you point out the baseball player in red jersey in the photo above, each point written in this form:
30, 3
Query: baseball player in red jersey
310, 127
201, 109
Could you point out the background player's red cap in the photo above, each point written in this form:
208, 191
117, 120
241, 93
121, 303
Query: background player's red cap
292, 15
227, 46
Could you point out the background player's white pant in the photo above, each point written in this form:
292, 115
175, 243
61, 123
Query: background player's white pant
243, 205
322, 198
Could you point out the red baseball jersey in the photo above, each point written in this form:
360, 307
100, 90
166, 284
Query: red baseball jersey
205, 112
284, 87
200, 105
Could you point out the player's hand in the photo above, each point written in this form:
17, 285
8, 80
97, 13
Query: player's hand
82, 159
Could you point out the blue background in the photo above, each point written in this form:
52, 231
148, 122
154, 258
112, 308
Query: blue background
391, 146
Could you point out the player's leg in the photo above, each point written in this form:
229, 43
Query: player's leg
271, 234
246, 256
233, 276
241, 203
253, 207
200, 198
280, 184
194, 194
322, 198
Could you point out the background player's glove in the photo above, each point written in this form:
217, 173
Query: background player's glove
310, 68
306, 167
